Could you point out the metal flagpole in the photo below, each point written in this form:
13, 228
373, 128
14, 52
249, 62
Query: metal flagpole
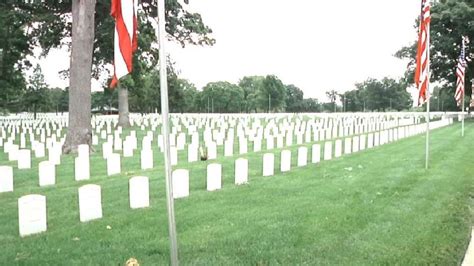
462, 125
165, 132
427, 144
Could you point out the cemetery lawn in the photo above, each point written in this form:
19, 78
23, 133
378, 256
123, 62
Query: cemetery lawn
378, 206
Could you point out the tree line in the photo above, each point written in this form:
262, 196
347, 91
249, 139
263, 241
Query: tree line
48, 25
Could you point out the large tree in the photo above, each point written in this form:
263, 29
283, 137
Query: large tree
450, 20
15, 21
53, 27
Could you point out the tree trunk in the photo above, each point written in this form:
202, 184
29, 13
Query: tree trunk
34, 111
124, 119
79, 128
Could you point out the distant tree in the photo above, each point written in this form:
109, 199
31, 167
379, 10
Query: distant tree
310, 105
379, 95
190, 97
222, 97
58, 100
272, 95
332, 96
294, 99
37, 93
251, 86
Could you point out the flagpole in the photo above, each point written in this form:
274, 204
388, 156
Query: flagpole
427, 144
165, 133
462, 124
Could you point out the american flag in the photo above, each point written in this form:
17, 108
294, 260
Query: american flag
125, 40
423, 53
460, 73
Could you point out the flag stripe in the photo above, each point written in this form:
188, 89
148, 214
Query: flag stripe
422, 56
125, 39
460, 74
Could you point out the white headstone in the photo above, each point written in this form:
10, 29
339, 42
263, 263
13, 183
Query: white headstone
192, 153
117, 143
214, 176
13, 152
268, 164
6, 179
362, 142
376, 139
174, 155
228, 148
242, 146
370, 140
90, 203
270, 143
338, 148
355, 144
32, 214
347, 146
83, 150
82, 167
47, 173
54, 154
241, 171
113, 164
139, 192
327, 150
180, 183
181, 141
24, 159
146, 159
127, 148
106, 149
39, 150
257, 144
211, 151
279, 141
315, 153
302, 156
285, 161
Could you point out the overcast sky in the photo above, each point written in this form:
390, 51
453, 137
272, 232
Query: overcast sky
315, 45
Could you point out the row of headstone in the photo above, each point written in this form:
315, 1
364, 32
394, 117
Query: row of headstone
32, 214
82, 168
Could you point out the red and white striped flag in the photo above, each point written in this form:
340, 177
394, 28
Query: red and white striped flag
460, 73
125, 40
422, 71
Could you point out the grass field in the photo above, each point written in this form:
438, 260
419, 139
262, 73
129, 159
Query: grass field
379, 206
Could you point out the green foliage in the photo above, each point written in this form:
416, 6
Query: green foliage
251, 86
37, 97
15, 45
222, 97
377, 95
294, 99
53, 29
450, 20
272, 95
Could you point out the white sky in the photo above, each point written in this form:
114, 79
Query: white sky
315, 45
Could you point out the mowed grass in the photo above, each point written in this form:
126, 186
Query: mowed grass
379, 206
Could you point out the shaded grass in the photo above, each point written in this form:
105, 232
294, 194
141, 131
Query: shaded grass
386, 210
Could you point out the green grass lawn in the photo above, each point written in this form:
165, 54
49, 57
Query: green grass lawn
379, 206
